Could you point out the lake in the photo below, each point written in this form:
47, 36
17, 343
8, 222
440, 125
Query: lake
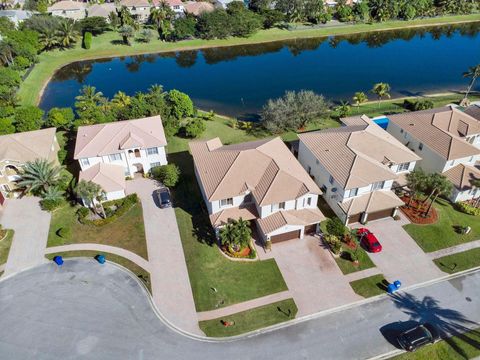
238, 80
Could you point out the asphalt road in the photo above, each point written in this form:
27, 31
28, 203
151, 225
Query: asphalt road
84, 310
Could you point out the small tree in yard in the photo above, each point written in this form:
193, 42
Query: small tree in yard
336, 227
360, 97
181, 106
39, 175
168, 175
441, 187
146, 35
381, 90
126, 32
416, 182
343, 109
91, 193
195, 128
236, 234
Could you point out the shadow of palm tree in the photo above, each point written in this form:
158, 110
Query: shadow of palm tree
448, 322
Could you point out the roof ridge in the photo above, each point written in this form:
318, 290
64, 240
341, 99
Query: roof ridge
272, 182
226, 173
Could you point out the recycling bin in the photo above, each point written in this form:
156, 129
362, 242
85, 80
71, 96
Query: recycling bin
100, 258
58, 260
397, 284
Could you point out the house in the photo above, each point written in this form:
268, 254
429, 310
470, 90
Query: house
140, 9
474, 110
102, 10
109, 152
356, 167
75, 10
18, 149
197, 8
461, 176
260, 181
16, 16
177, 6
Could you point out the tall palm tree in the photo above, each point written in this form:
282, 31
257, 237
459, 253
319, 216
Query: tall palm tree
39, 175
162, 17
91, 194
89, 96
473, 73
156, 89
66, 34
236, 234
381, 90
360, 97
443, 188
121, 99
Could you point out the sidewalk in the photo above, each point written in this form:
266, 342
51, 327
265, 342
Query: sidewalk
454, 249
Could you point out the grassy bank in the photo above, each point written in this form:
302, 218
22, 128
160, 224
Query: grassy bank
250, 320
102, 47
458, 262
370, 286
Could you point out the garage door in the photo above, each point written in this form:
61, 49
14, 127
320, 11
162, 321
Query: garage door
380, 214
355, 218
285, 236
310, 229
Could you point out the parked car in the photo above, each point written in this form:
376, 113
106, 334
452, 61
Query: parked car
368, 240
164, 198
418, 336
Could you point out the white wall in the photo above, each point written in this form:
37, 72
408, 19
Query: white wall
114, 195
470, 160
458, 196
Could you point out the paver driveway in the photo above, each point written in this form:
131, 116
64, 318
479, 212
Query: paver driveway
312, 276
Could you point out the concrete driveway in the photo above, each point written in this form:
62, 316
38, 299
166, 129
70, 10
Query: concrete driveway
401, 258
312, 275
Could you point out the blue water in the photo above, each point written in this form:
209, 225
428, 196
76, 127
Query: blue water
382, 122
239, 80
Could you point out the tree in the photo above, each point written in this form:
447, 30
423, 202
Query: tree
416, 182
66, 33
162, 17
39, 175
48, 38
92, 195
343, 109
121, 99
360, 97
243, 22
60, 117
195, 128
344, 11
317, 11
184, 27
94, 24
168, 175
442, 187
145, 35
472, 73
53, 194
475, 183
215, 24
181, 106
6, 126
236, 234
89, 97
126, 32
381, 90
28, 118
336, 227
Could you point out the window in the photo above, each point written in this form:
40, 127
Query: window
378, 185
152, 151
155, 164
309, 201
330, 180
85, 162
281, 206
420, 146
115, 157
226, 202
309, 170
403, 167
351, 192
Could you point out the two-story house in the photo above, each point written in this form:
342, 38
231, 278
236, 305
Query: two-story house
259, 181
448, 141
75, 10
177, 6
140, 9
356, 167
17, 149
108, 153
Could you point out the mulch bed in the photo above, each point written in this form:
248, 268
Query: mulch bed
243, 253
416, 212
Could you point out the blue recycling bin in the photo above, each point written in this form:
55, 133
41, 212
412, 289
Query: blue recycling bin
58, 260
397, 284
391, 288
100, 258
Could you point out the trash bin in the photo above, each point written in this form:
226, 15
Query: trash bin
58, 260
100, 258
397, 284
391, 288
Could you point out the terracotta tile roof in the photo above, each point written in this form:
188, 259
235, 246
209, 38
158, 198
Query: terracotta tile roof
172, 3
374, 201
102, 10
291, 217
221, 218
441, 130
198, 7
462, 175
67, 5
110, 177
357, 155
105, 139
266, 167
136, 3
473, 111
30, 145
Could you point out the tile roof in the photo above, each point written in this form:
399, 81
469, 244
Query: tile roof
110, 138
132, 3
291, 217
462, 175
30, 145
67, 5
473, 111
102, 10
441, 130
198, 7
357, 155
266, 168
110, 177
374, 201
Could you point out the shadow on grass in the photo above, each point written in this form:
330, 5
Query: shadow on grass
383, 285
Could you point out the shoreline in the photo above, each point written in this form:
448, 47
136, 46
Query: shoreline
288, 35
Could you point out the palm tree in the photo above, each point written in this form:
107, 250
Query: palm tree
360, 97
121, 99
343, 109
48, 38
39, 175
91, 195
88, 97
66, 33
236, 234
162, 18
473, 73
126, 32
53, 193
381, 90
156, 89
443, 187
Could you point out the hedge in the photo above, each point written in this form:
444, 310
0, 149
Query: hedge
87, 40
123, 205
467, 209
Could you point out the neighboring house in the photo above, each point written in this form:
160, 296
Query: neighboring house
101, 10
259, 181
17, 149
474, 110
69, 9
356, 167
177, 6
140, 9
197, 8
16, 16
461, 177
130, 147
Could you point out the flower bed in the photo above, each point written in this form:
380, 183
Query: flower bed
467, 208
416, 212
248, 252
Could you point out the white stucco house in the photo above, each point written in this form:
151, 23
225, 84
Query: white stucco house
75, 10
108, 153
260, 181
356, 167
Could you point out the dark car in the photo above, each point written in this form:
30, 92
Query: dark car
368, 240
164, 198
418, 336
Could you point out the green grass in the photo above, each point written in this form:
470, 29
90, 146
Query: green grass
126, 232
141, 273
370, 286
442, 234
250, 320
465, 346
459, 262
348, 267
5, 245
102, 47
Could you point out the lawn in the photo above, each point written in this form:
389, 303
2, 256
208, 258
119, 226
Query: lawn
459, 262
126, 232
442, 234
370, 286
465, 346
102, 46
250, 320
141, 273
5, 246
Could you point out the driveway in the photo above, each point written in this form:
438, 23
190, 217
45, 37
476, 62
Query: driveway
171, 288
312, 275
401, 258
31, 225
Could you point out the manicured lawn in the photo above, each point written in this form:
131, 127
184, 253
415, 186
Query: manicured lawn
442, 234
250, 320
142, 274
102, 46
126, 232
348, 267
370, 286
5, 246
459, 262
465, 346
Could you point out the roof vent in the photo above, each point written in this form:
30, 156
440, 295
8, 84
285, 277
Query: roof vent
411, 124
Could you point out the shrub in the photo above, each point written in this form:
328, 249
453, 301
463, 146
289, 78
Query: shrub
181, 106
467, 209
334, 243
195, 128
87, 40
82, 213
417, 105
336, 227
51, 204
21, 63
168, 175
121, 205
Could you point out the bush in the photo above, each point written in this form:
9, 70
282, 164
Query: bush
195, 128
334, 243
28, 118
168, 175
121, 205
467, 209
181, 106
336, 227
60, 117
21, 63
87, 40
417, 105
50, 205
